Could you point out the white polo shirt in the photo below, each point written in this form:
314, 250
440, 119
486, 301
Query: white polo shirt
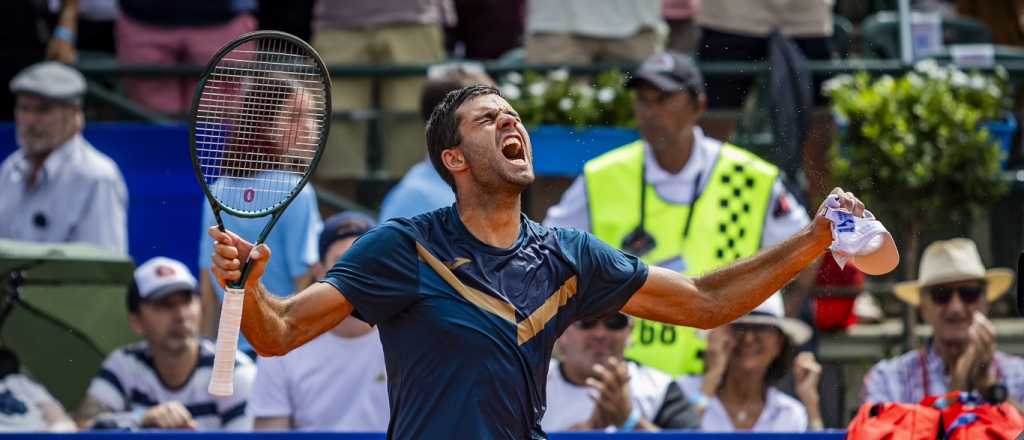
784, 219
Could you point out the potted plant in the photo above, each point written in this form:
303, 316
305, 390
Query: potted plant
915, 147
571, 120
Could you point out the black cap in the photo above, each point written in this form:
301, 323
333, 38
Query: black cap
670, 72
342, 226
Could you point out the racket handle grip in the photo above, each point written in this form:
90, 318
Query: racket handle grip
223, 378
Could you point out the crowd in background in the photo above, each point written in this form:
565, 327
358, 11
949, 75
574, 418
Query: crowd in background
758, 373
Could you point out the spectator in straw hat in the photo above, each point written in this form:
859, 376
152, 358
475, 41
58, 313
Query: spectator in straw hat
953, 293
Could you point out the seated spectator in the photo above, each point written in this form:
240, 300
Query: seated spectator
26, 406
299, 391
593, 31
743, 362
56, 187
161, 382
175, 33
953, 295
422, 189
629, 396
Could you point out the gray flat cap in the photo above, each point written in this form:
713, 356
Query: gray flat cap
52, 80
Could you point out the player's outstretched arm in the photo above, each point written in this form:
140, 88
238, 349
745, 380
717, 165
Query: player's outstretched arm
730, 292
274, 326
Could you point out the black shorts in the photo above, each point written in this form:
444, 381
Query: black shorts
729, 91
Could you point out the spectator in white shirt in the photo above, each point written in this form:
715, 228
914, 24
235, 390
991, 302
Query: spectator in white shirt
744, 359
57, 188
299, 391
592, 386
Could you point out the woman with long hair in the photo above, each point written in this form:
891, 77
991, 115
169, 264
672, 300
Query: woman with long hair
743, 362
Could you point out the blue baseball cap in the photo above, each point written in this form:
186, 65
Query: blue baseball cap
344, 225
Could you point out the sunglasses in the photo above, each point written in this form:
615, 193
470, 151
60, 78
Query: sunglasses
968, 294
759, 329
617, 321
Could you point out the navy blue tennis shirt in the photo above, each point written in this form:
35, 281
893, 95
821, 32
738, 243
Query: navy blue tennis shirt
468, 328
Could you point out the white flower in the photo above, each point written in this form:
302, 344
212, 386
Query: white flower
537, 89
960, 79
565, 104
977, 82
928, 67
585, 91
835, 83
511, 91
514, 78
993, 90
559, 74
605, 95
1001, 71
915, 80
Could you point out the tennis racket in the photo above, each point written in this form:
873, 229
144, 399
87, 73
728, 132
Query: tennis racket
257, 129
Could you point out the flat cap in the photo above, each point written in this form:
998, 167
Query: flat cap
51, 80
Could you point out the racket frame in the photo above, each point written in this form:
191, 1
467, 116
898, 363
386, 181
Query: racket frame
277, 210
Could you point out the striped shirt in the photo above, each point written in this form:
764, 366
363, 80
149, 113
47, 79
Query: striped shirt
903, 378
128, 381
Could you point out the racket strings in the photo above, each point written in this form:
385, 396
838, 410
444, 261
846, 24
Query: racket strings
259, 122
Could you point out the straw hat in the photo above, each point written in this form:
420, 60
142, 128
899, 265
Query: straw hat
771, 312
950, 261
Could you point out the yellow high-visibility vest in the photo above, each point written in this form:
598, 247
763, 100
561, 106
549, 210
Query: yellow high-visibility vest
727, 224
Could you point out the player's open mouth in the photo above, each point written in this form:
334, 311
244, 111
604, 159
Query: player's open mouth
513, 150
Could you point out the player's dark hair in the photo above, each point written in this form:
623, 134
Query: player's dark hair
443, 125
434, 92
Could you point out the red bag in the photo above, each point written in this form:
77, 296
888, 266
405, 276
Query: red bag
967, 417
835, 290
894, 421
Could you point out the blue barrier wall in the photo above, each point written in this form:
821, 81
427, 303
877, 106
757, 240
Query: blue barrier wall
164, 200
834, 435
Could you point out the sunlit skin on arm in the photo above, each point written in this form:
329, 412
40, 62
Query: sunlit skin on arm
275, 326
721, 296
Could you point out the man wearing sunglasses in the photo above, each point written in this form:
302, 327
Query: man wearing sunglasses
592, 387
953, 294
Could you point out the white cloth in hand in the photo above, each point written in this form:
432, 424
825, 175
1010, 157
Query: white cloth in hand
851, 235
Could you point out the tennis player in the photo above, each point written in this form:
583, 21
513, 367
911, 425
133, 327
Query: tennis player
470, 299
